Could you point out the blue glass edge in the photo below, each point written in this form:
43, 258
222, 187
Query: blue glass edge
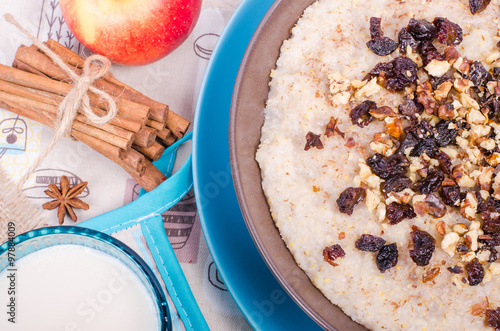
109, 240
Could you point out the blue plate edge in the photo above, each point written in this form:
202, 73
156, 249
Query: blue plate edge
235, 18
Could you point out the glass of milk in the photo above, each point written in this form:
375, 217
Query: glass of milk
68, 278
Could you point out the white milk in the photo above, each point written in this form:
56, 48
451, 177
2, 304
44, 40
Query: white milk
75, 288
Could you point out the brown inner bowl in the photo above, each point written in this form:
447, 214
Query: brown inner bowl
246, 120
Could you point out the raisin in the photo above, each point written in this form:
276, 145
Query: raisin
475, 272
422, 29
397, 164
493, 318
444, 162
449, 33
386, 167
423, 247
444, 135
406, 39
378, 165
397, 74
455, 269
477, 6
396, 184
410, 108
350, 199
409, 141
429, 52
381, 69
421, 130
396, 212
313, 140
481, 205
431, 183
478, 74
369, 243
360, 115
462, 248
450, 194
427, 146
330, 254
491, 217
375, 29
387, 257
430, 205
403, 75
493, 106
382, 46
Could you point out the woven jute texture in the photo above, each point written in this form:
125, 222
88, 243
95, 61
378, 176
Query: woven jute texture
15, 207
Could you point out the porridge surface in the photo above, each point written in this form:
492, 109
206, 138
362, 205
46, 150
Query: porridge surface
302, 186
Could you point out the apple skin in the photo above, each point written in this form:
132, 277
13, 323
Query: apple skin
131, 32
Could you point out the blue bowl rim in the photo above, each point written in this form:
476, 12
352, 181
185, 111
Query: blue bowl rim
109, 240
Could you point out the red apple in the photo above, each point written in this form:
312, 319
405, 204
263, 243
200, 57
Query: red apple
131, 32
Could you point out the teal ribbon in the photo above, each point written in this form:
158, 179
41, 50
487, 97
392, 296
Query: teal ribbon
146, 211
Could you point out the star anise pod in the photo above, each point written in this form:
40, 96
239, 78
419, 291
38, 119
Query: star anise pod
65, 199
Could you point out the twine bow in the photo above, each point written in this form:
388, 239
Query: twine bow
95, 67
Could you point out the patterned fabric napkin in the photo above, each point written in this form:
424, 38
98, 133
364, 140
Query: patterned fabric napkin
174, 80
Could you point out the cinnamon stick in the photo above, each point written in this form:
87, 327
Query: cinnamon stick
131, 161
49, 91
154, 152
32, 57
22, 102
151, 179
155, 124
177, 124
42, 117
168, 140
146, 137
163, 134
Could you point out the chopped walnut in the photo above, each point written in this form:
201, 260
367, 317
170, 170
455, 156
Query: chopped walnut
461, 65
381, 143
441, 93
373, 198
381, 113
449, 243
430, 274
447, 112
493, 159
460, 228
341, 98
492, 57
468, 102
460, 175
462, 85
437, 68
394, 127
368, 90
404, 196
468, 207
338, 83
441, 228
424, 96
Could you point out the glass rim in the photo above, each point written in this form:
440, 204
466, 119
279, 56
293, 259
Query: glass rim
159, 295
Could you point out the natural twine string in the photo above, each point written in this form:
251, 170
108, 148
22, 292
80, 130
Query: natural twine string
15, 207
76, 99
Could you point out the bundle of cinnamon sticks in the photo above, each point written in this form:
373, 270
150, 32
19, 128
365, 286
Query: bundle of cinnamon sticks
35, 86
